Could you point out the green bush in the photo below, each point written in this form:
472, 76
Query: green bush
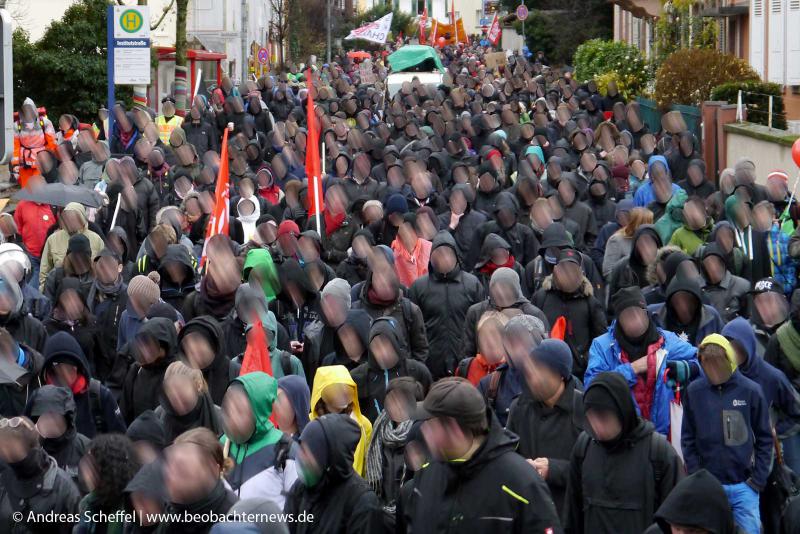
688, 76
597, 57
756, 97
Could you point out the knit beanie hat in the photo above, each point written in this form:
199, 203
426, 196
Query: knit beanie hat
396, 204
79, 244
145, 289
556, 355
628, 297
339, 289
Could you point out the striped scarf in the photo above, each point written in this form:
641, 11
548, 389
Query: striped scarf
384, 433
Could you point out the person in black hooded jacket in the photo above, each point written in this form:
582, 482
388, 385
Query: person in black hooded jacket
696, 504
461, 220
569, 192
177, 271
524, 245
475, 482
604, 494
351, 341
23, 326
107, 299
66, 365
148, 436
388, 358
154, 349
488, 189
298, 304
444, 295
52, 410
603, 207
13, 396
496, 253
328, 488
696, 184
201, 347
644, 252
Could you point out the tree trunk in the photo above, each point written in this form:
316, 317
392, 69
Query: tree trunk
180, 57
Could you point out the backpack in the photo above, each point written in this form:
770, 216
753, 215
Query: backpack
282, 449
658, 453
494, 379
286, 363
96, 406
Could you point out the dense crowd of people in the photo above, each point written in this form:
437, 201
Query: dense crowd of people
518, 309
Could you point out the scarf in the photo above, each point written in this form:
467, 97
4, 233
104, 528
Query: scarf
636, 348
34, 464
490, 267
78, 386
385, 434
332, 222
104, 290
126, 137
219, 305
646, 385
479, 368
202, 415
271, 194
374, 299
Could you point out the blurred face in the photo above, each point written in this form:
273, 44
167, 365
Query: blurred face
566, 193
676, 529
199, 352
72, 221
399, 405
776, 189
762, 218
12, 448
189, 473
351, 342
51, 425
715, 269
147, 349
182, 394
694, 213
725, 239
684, 304
444, 259
107, 270
542, 381
237, 415
490, 342
634, 322
458, 204
486, 182
716, 366
773, 308
384, 352
568, 276
72, 305
605, 424
335, 310
445, 439
647, 248
695, 175
284, 412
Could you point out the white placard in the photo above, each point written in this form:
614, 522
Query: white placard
132, 66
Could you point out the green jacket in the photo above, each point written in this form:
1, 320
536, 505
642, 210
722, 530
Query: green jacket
689, 240
262, 390
271, 329
672, 218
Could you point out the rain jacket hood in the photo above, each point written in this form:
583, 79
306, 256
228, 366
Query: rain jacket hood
296, 389
261, 260
261, 390
697, 501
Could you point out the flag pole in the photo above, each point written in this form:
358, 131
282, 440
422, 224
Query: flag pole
316, 190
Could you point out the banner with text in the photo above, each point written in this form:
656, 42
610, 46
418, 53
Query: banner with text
375, 31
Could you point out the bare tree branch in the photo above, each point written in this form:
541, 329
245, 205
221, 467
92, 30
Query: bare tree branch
163, 14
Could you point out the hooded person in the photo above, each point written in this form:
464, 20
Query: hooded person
107, 298
644, 250
697, 225
725, 292
32, 483
148, 436
337, 226
641, 352
751, 241
91, 171
177, 272
496, 253
33, 133
444, 296
65, 365
52, 410
184, 402
260, 269
505, 295
645, 194
299, 306
684, 312
548, 414
144, 494
696, 183
387, 360
248, 210
569, 192
72, 221
520, 237
217, 292
489, 187
569, 294
292, 405
153, 349
263, 456
353, 269
14, 396
351, 344
77, 265
599, 200
598, 499
475, 472
22, 326
737, 448
681, 158
462, 221
201, 346
698, 503
328, 487
334, 391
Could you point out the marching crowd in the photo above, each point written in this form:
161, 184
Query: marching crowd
517, 308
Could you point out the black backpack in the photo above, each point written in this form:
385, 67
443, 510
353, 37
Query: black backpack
658, 453
96, 406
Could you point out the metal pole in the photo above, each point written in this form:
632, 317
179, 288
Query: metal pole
769, 120
245, 62
329, 31
110, 70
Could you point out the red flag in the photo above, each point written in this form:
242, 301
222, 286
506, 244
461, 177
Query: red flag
219, 220
494, 31
313, 168
256, 355
423, 21
453, 20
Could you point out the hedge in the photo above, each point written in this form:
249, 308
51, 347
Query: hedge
755, 95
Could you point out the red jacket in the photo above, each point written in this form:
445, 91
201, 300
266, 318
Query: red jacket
33, 220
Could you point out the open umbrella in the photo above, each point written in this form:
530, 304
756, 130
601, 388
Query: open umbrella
10, 372
359, 54
61, 195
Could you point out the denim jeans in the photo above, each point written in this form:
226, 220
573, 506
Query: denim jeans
34, 278
791, 452
744, 502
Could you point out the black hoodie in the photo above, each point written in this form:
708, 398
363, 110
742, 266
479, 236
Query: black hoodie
360, 322
372, 380
621, 274
698, 501
142, 385
149, 481
468, 224
69, 448
341, 502
172, 293
604, 495
221, 370
523, 242
495, 490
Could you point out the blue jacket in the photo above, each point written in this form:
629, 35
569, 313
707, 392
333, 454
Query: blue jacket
604, 355
644, 193
777, 390
710, 321
726, 430
509, 389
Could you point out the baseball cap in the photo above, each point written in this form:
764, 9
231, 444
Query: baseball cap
767, 285
570, 255
453, 397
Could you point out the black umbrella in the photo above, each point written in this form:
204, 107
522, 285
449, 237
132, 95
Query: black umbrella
10, 372
61, 195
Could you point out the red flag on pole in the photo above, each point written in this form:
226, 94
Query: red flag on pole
219, 220
494, 31
256, 355
453, 20
423, 21
316, 204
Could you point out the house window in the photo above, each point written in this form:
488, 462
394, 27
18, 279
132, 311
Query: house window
420, 6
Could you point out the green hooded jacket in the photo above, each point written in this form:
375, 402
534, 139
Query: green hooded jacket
262, 390
271, 328
672, 218
261, 260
